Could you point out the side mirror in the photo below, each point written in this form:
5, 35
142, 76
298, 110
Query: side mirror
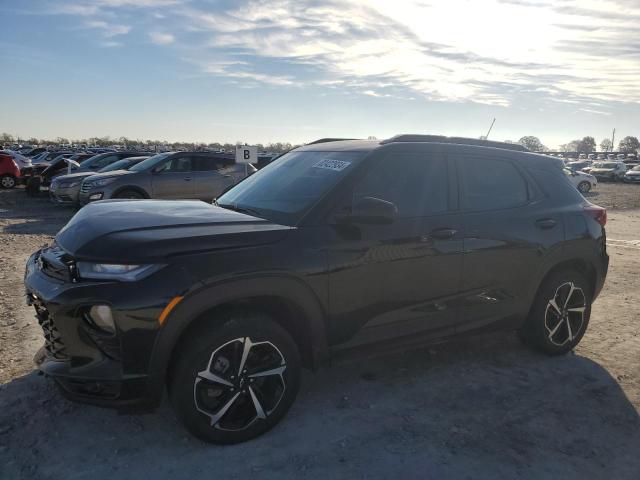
370, 211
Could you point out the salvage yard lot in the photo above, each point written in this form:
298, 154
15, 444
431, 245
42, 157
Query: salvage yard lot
467, 409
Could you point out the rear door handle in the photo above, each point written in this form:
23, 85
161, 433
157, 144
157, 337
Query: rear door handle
440, 234
546, 223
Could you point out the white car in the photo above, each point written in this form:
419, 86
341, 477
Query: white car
584, 182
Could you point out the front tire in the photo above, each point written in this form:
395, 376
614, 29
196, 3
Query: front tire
130, 194
560, 313
235, 381
8, 181
584, 187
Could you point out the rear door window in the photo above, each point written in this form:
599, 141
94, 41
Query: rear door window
206, 164
490, 184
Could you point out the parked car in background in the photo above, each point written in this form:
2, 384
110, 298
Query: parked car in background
334, 247
579, 165
21, 160
9, 171
633, 175
584, 182
612, 171
65, 189
35, 151
172, 175
38, 177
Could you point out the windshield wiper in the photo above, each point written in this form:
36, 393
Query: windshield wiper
236, 208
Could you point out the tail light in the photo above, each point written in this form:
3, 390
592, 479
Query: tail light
599, 214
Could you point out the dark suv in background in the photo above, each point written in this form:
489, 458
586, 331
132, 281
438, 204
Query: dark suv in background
333, 247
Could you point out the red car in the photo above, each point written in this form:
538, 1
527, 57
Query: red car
9, 171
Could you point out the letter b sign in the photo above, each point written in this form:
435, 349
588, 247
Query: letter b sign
246, 154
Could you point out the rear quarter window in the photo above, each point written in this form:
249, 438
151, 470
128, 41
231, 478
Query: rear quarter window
555, 184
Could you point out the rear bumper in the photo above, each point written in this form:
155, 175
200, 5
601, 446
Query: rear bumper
602, 268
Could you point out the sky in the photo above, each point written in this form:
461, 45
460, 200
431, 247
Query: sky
262, 71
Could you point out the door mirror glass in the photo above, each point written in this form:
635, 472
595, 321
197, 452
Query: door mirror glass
372, 211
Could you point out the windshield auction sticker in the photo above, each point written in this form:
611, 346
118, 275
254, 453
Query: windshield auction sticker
335, 165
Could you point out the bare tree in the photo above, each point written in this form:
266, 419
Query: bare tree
532, 143
629, 145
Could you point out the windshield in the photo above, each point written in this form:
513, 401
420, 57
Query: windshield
150, 162
287, 188
119, 165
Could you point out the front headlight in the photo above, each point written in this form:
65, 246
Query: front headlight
101, 183
115, 271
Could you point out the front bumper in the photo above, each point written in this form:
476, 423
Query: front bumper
67, 196
89, 365
90, 196
632, 178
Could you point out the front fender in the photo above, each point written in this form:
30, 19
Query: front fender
289, 288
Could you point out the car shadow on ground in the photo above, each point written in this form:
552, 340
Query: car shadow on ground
484, 407
37, 215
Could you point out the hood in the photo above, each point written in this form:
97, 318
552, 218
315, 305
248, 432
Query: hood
114, 173
72, 176
633, 173
152, 230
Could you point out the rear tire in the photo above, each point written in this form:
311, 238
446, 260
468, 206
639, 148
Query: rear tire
584, 187
224, 399
560, 313
129, 193
8, 181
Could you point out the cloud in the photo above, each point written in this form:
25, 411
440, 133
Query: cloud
494, 52
160, 38
108, 30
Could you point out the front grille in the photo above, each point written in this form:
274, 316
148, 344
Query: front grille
53, 343
84, 187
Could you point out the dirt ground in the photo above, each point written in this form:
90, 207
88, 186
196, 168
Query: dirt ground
481, 408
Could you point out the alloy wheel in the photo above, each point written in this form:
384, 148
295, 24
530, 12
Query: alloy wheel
564, 315
243, 382
8, 182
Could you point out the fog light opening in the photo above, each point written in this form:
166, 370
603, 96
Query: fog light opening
95, 196
100, 317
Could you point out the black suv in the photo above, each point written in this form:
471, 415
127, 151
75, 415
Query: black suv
334, 246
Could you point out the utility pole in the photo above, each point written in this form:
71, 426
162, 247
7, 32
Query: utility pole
613, 140
490, 128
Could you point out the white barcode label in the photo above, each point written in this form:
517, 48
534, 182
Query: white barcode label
336, 165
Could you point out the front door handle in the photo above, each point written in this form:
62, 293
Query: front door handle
187, 179
546, 223
442, 233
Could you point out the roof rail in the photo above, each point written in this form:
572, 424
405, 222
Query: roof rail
326, 140
458, 140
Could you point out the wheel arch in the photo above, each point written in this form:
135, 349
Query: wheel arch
288, 301
136, 188
582, 266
